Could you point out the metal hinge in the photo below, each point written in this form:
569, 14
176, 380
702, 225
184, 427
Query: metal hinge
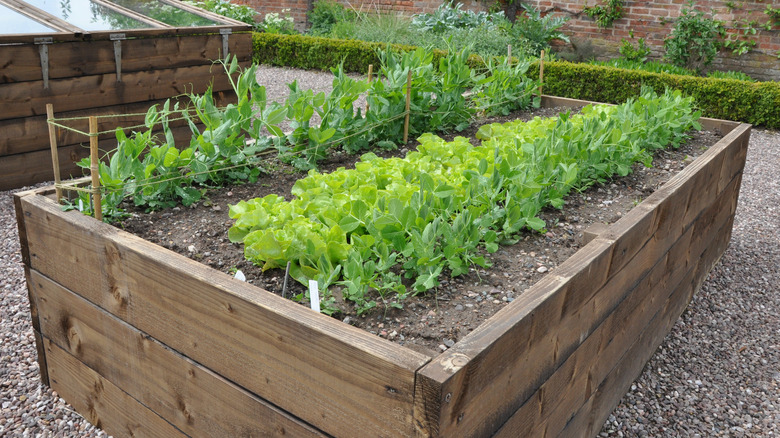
117, 39
225, 34
43, 49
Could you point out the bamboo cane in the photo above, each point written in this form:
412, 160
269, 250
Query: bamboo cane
408, 105
97, 204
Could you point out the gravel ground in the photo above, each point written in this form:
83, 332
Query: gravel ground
716, 374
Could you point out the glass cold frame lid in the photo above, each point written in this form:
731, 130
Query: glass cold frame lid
88, 15
166, 13
12, 22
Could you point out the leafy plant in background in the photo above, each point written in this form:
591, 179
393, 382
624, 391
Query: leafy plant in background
274, 22
538, 31
448, 17
738, 75
694, 41
605, 14
325, 14
634, 53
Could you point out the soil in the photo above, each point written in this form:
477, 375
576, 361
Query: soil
432, 322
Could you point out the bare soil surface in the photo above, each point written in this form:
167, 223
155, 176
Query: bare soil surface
434, 321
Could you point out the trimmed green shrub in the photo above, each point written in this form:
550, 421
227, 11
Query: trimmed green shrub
757, 103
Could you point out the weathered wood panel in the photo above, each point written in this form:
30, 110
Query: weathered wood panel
334, 376
474, 387
194, 399
25, 99
22, 63
101, 402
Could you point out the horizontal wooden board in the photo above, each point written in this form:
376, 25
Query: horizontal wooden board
28, 134
490, 373
569, 387
25, 169
332, 375
25, 99
194, 399
591, 416
22, 62
101, 402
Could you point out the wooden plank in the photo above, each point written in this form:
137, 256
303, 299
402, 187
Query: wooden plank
549, 409
492, 383
590, 418
29, 38
100, 401
332, 375
23, 63
30, 134
25, 169
193, 398
25, 99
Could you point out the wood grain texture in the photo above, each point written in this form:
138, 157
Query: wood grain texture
29, 38
331, 375
101, 402
22, 63
550, 408
194, 399
502, 363
25, 99
24, 169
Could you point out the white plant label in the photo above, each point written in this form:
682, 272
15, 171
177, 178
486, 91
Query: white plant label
240, 275
314, 293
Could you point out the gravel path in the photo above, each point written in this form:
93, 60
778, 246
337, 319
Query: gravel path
716, 374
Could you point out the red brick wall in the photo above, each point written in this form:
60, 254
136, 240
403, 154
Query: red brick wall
652, 21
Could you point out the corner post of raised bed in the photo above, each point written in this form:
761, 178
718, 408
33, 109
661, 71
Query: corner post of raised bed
408, 105
55, 158
94, 168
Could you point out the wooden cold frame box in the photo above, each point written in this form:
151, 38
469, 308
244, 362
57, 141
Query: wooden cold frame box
145, 342
98, 73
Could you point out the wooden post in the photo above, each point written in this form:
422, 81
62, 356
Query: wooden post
541, 73
408, 104
370, 73
55, 158
509, 54
94, 168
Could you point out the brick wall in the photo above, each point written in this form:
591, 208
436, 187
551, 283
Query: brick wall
652, 21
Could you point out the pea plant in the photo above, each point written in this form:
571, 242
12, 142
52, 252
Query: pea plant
389, 228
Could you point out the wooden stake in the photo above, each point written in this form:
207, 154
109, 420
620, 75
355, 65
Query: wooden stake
509, 54
55, 157
370, 74
541, 73
408, 104
94, 168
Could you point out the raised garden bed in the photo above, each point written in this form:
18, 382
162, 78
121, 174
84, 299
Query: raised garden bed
143, 341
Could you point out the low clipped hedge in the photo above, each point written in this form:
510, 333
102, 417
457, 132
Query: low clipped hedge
757, 103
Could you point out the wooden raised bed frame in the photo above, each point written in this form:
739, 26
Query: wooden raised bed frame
146, 342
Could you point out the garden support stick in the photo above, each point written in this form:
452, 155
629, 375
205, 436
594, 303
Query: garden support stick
55, 158
370, 73
509, 53
286, 276
408, 104
97, 204
541, 72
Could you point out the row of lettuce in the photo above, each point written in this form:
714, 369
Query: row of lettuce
757, 103
228, 144
444, 206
